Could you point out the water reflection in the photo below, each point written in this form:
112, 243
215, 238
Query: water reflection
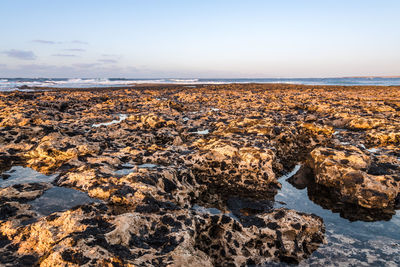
148, 166
60, 199
355, 236
22, 175
329, 199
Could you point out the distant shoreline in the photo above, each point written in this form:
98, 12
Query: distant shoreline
370, 77
191, 86
10, 84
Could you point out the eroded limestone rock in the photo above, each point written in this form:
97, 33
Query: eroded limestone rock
88, 235
181, 147
355, 176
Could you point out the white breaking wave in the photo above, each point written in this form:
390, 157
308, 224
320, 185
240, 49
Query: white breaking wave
184, 80
148, 81
89, 82
15, 84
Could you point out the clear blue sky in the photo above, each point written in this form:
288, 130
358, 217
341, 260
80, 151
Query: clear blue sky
204, 38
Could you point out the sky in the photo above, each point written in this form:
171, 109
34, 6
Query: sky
199, 39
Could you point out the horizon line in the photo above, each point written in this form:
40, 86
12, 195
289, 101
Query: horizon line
213, 78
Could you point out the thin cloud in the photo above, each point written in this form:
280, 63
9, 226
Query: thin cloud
45, 42
41, 41
20, 54
85, 65
75, 49
108, 61
64, 55
79, 42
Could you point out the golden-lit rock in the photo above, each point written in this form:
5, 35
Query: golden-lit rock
153, 155
355, 176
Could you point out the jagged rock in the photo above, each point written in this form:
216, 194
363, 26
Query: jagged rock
150, 120
383, 137
234, 170
23, 192
180, 148
365, 123
350, 172
279, 235
55, 149
87, 235
14, 210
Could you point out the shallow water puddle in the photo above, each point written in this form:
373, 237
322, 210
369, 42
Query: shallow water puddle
202, 132
21, 175
201, 209
123, 172
213, 211
60, 199
148, 166
348, 243
125, 169
122, 117
373, 150
129, 168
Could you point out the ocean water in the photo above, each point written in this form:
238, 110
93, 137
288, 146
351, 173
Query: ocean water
10, 84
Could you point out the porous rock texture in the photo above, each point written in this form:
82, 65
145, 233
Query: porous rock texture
154, 155
92, 235
358, 178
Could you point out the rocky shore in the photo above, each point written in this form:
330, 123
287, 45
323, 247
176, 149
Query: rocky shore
178, 176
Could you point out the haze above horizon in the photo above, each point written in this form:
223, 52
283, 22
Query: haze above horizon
220, 39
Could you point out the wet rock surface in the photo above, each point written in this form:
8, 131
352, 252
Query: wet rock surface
183, 176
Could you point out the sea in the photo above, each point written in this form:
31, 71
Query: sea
11, 84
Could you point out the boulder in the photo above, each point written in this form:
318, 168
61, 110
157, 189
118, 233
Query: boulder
350, 172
